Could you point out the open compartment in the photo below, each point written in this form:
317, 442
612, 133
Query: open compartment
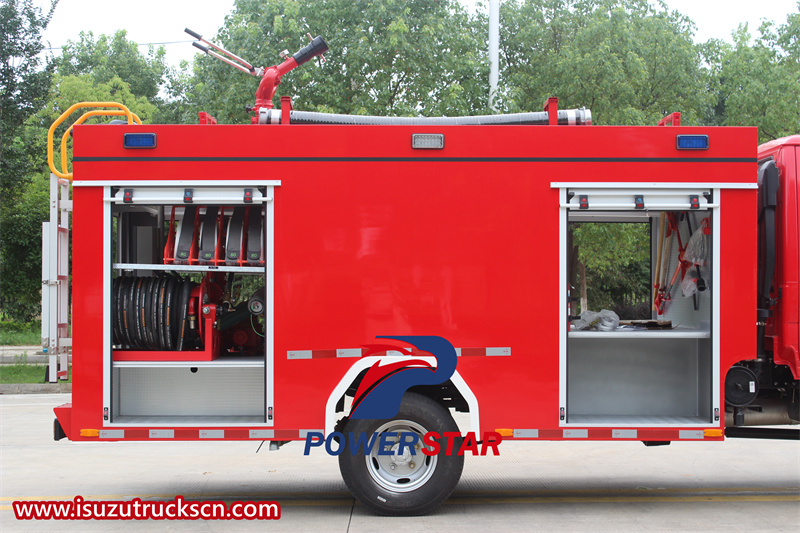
656, 367
188, 283
190, 304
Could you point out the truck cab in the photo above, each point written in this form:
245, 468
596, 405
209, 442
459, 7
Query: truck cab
771, 392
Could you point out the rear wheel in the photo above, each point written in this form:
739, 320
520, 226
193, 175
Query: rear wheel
406, 481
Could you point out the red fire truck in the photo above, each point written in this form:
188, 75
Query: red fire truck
239, 282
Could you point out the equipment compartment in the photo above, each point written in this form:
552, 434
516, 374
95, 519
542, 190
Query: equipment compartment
638, 380
179, 268
188, 305
633, 376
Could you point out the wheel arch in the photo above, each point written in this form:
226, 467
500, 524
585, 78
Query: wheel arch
456, 385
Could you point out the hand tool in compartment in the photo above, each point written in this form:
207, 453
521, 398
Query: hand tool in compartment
186, 241
255, 236
209, 235
233, 241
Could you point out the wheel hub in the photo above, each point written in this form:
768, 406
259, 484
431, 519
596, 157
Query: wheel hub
403, 458
400, 472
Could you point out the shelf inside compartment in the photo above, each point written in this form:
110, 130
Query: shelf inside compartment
223, 361
190, 268
189, 421
676, 333
193, 390
638, 421
612, 379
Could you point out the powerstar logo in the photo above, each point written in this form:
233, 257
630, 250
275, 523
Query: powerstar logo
379, 396
381, 391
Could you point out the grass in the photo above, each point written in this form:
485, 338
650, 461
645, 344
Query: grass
22, 374
16, 334
20, 371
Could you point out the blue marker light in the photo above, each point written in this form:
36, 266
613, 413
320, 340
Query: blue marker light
691, 142
139, 140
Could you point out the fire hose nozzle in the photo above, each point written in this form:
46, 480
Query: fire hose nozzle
316, 47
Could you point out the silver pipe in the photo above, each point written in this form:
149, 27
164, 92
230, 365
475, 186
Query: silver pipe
228, 61
494, 47
581, 116
229, 54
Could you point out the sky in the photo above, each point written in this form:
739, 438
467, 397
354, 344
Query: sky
163, 21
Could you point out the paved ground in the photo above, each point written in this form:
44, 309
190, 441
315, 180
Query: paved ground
739, 485
30, 354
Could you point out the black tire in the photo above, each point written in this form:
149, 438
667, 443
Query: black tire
427, 482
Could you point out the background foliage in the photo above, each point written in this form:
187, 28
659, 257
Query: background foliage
629, 61
611, 269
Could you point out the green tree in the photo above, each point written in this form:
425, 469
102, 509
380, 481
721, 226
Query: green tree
758, 84
24, 84
394, 57
610, 262
21, 235
87, 71
21, 231
115, 56
108, 57
630, 61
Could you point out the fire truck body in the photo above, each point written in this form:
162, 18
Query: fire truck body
371, 237
366, 236
231, 282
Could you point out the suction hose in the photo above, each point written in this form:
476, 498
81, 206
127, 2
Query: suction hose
580, 116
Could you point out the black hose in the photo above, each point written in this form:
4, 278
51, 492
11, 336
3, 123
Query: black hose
150, 313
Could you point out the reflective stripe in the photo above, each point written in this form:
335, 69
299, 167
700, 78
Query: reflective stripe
482, 352
324, 354
349, 352
360, 352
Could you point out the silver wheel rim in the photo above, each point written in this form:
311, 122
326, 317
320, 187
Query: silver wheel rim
400, 472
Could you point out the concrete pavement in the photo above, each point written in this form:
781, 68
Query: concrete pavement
738, 485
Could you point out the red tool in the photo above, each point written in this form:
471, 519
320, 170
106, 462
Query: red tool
665, 295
